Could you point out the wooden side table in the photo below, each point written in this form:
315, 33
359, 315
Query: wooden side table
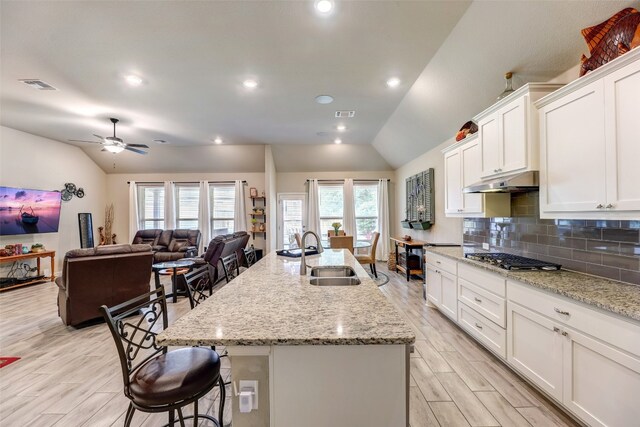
31, 255
404, 263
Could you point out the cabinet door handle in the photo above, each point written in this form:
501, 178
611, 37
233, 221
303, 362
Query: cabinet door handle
477, 299
479, 326
556, 329
438, 262
495, 170
600, 206
557, 310
609, 206
565, 334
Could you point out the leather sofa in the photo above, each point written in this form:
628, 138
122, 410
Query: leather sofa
170, 245
107, 275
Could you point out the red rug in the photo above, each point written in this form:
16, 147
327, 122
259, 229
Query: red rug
4, 361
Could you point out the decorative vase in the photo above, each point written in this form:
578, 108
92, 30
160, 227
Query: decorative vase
508, 87
262, 227
336, 230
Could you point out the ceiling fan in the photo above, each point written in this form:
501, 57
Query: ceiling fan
113, 144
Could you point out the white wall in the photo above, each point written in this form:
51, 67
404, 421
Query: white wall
29, 161
118, 194
444, 230
270, 180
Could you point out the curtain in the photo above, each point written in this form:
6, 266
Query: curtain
313, 208
240, 213
134, 216
204, 216
382, 252
169, 205
349, 211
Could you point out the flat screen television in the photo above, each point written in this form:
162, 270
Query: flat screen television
25, 211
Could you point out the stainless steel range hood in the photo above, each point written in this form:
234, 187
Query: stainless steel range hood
525, 181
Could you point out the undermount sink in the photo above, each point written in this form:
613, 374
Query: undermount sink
334, 281
333, 271
334, 275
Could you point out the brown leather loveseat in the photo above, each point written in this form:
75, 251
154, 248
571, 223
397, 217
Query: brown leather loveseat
170, 245
106, 275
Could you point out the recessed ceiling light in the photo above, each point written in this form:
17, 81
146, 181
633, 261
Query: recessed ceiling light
133, 80
393, 82
324, 99
337, 141
160, 141
341, 128
250, 84
324, 6
218, 140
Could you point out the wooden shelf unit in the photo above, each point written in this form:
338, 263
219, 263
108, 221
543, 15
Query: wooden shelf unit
31, 255
261, 201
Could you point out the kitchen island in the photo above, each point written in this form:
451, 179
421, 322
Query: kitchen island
323, 355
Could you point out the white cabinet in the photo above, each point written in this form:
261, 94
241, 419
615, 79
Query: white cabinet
508, 132
587, 360
462, 169
589, 145
442, 289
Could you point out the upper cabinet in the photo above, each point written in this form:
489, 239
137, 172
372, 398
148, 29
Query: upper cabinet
462, 169
590, 145
508, 132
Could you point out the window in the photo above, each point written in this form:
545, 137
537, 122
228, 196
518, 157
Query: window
222, 198
366, 209
187, 204
151, 206
331, 201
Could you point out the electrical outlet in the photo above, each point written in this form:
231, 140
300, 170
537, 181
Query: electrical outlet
248, 384
485, 246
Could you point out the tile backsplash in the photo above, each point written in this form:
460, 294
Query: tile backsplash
609, 249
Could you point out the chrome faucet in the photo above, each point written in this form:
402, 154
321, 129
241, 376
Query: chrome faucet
303, 263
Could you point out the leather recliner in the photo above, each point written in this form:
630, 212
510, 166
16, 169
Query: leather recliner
107, 275
222, 246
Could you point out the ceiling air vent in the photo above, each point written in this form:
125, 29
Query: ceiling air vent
344, 114
37, 84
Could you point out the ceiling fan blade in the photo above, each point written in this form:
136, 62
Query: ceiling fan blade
98, 136
135, 150
138, 145
82, 140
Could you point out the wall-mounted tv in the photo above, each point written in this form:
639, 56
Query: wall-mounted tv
24, 211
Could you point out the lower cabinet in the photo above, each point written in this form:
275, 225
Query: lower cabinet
591, 377
434, 286
442, 289
449, 304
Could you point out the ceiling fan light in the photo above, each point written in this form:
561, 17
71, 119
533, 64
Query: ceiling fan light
115, 149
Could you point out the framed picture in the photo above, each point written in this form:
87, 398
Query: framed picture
253, 192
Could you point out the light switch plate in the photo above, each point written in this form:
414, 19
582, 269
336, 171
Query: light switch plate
485, 246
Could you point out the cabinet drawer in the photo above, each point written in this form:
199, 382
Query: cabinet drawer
442, 263
484, 302
485, 331
622, 333
485, 279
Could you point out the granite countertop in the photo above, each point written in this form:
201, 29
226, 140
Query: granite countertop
271, 304
609, 295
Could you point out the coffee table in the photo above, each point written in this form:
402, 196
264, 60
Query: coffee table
173, 266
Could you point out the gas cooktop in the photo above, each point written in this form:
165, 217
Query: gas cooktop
512, 262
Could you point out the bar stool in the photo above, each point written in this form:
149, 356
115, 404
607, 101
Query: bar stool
157, 380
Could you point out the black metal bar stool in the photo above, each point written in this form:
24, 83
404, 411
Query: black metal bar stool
157, 380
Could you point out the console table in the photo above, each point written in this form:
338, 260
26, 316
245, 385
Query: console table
31, 255
409, 263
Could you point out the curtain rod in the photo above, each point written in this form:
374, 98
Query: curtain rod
354, 180
186, 182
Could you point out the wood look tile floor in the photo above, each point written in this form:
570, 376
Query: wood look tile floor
71, 377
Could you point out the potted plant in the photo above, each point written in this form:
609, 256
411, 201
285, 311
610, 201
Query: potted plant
37, 247
420, 224
406, 223
336, 227
253, 224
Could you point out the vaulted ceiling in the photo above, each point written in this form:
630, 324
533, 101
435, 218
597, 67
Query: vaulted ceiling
194, 56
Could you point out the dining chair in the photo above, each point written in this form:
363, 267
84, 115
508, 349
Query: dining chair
197, 282
370, 258
155, 379
231, 267
298, 239
341, 242
250, 256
